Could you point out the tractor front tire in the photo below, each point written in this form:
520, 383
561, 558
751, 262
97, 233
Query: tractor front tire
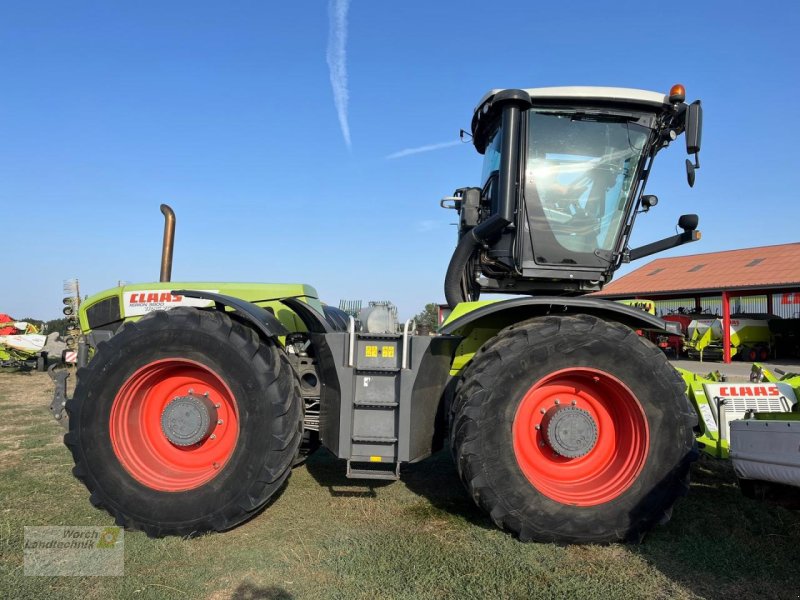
573, 430
184, 422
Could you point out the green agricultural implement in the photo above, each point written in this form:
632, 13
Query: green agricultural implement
750, 337
194, 399
21, 345
755, 423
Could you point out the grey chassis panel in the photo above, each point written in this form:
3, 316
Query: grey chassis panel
418, 390
264, 321
554, 305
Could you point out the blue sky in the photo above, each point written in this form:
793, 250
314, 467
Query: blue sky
228, 112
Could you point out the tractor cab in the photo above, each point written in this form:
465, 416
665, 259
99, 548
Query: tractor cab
563, 177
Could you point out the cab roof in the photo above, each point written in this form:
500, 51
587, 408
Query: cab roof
591, 93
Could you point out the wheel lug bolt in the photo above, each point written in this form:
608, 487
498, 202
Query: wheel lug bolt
558, 401
213, 436
541, 410
217, 405
205, 394
219, 421
574, 402
215, 465
538, 427
191, 391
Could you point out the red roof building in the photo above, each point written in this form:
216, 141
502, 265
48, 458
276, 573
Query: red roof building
765, 270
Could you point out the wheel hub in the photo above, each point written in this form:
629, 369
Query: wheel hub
189, 419
571, 431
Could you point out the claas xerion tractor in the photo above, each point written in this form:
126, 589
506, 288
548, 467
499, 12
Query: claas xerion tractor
194, 400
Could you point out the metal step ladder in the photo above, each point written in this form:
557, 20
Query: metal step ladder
380, 396
377, 360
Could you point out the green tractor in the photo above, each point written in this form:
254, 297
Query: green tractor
194, 400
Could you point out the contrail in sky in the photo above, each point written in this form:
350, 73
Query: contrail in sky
337, 61
419, 149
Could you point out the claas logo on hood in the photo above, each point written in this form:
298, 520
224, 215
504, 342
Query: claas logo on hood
154, 297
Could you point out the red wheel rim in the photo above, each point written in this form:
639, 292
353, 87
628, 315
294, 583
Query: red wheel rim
617, 456
139, 441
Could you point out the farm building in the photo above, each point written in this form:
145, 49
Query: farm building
764, 280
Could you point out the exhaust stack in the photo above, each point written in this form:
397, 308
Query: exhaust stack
168, 244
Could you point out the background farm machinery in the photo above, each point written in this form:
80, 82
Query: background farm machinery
698, 335
751, 338
21, 345
755, 423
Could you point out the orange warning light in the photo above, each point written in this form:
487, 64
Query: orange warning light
677, 93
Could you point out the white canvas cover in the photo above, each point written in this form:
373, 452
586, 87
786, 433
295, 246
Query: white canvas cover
31, 342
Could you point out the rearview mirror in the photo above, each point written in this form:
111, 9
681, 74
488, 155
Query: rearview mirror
693, 127
690, 172
688, 222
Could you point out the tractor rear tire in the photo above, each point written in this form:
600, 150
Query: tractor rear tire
573, 430
184, 422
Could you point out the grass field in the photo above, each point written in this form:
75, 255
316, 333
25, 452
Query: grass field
328, 537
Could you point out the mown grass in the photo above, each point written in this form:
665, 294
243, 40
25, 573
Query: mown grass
327, 537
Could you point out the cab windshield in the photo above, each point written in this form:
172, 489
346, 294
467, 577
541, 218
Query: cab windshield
579, 172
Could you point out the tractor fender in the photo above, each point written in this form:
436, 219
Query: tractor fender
264, 321
485, 320
519, 309
314, 322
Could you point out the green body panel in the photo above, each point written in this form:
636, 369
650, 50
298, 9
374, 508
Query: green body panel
266, 295
710, 441
753, 334
476, 333
16, 354
793, 379
464, 308
771, 416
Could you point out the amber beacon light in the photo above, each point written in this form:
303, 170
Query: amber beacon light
677, 93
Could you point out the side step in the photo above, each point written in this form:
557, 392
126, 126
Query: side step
373, 470
380, 406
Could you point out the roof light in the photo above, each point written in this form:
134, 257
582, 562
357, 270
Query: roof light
677, 93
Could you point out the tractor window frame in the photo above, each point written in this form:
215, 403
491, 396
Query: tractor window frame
544, 246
